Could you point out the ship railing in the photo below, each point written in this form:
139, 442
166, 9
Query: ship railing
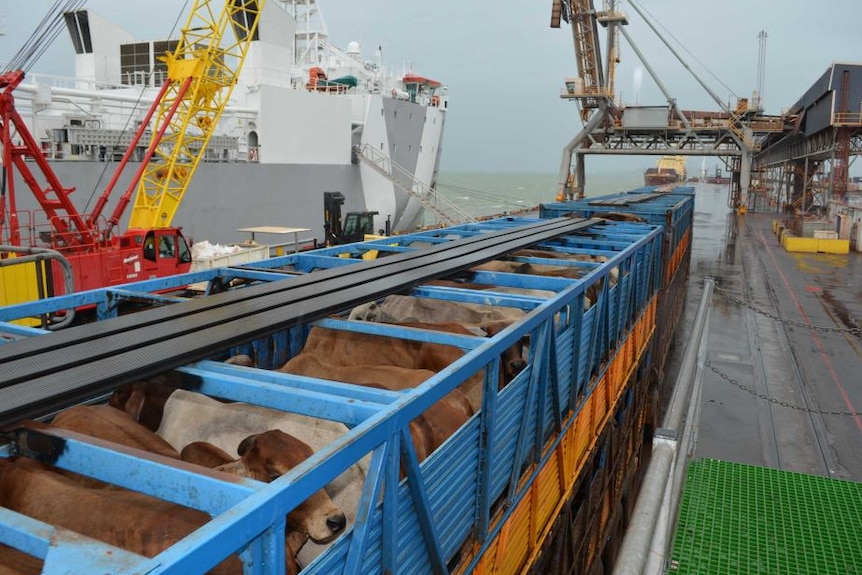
647, 539
38, 232
69, 82
448, 211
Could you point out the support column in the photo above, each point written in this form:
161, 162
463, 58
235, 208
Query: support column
580, 175
565, 191
745, 170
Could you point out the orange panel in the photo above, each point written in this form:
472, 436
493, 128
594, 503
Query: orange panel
524, 532
549, 490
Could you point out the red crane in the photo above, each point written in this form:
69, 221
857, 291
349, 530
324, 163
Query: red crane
201, 74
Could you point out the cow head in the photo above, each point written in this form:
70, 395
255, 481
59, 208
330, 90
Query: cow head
145, 400
269, 455
513, 357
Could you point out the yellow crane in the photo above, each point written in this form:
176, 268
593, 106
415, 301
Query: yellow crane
202, 72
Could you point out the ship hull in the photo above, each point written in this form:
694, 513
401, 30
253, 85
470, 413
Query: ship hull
225, 197
295, 166
656, 179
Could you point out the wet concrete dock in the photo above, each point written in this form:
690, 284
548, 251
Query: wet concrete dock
776, 392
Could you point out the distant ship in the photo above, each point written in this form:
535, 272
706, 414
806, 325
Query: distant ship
718, 178
305, 118
669, 170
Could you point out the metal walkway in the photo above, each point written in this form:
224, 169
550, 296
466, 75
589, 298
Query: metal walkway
738, 518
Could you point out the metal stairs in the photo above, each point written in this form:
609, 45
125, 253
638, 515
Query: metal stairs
447, 211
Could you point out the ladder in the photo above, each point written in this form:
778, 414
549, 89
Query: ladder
448, 212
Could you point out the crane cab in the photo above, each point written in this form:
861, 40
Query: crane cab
154, 253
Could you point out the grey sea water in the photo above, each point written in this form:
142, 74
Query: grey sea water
490, 193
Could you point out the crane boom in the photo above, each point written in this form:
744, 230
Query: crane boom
201, 75
71, 229
202, 72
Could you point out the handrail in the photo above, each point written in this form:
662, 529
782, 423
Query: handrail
36, 255
385, 166
658, 497
847, 118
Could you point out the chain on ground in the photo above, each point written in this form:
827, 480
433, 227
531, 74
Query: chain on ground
739, 301
775, 401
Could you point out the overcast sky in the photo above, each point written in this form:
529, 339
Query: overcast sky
504, 65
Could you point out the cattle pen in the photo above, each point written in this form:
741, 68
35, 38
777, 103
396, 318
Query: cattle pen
541, 478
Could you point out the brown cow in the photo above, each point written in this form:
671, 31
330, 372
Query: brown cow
619, 217
430, 429
111, 424
263, 457
14, 562
341, 347
189, 417
571, 272
208, 455
145, 400
125, 519
399, 308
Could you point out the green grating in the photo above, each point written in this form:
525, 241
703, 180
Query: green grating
742, 519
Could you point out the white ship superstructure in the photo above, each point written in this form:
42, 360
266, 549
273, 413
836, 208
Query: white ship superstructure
299, 114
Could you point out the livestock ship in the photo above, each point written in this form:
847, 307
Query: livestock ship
668, 170
306, 117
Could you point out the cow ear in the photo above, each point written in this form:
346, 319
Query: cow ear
246, 444
135, 403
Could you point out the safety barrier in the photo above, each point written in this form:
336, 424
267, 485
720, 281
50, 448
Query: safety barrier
795, 244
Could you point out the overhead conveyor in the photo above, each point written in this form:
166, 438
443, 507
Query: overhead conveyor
57, 370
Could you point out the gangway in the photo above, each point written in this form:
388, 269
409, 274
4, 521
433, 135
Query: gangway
448, 212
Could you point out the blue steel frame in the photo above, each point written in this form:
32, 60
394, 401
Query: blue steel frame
463, 492
674, 210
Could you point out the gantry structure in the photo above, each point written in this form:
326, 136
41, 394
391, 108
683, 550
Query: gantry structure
806, 166
779, 155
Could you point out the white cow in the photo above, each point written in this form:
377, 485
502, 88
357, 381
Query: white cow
190, 417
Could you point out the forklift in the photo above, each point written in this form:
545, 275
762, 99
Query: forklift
355, 226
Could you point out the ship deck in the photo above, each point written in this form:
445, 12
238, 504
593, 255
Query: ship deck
776, 393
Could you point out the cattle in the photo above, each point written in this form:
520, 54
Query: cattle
133, 521
430, 430
573, 272
14, 562
111, 424
205, 454
557, 255
341, 347
189, 417
269, 455
264, 457
619, 217
208, 455
145, 400
401, 308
